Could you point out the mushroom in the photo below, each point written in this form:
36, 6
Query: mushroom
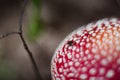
92, 52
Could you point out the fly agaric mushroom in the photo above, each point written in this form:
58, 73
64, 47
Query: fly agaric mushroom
91, 52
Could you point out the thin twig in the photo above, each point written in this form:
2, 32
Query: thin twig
38, 76
20, 33
21, 15
8, 34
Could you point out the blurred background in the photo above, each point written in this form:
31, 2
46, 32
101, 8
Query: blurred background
45, 25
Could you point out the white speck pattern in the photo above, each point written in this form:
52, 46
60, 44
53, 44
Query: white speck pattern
110, 73
92, 71
91, 52
83, 76
102, 71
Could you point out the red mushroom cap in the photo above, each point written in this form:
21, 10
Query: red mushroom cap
91, 52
